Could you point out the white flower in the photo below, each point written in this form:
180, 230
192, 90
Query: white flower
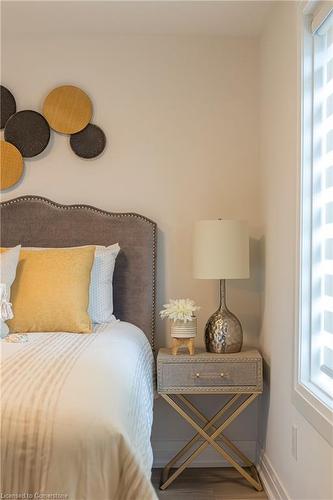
179, 309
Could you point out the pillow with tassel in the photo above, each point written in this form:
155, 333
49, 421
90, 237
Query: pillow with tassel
8, 265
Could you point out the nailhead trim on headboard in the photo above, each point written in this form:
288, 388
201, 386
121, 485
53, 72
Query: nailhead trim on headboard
108, 214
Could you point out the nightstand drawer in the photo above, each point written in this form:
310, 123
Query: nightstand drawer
208, 374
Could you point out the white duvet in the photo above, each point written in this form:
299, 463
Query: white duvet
76, 415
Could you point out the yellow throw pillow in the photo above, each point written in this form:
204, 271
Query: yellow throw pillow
51, 291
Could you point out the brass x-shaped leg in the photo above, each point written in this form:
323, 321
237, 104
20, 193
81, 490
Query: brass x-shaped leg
253, 478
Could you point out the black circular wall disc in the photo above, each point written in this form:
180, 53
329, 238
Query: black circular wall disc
89, 142
28, 131
7, 105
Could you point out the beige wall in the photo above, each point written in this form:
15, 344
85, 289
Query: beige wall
181, 119
310, 477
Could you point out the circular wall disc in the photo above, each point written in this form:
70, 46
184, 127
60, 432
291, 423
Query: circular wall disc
89, 142
67, 109
29, 132
11, 165
7, 105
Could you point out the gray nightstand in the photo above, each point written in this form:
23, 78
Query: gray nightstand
239, 375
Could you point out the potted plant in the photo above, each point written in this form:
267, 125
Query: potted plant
181, 313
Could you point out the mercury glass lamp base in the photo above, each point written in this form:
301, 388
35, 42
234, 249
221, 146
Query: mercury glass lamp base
223, 333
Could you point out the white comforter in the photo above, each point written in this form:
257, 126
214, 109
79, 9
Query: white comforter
76, 415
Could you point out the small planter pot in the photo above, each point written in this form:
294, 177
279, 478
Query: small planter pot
181, 330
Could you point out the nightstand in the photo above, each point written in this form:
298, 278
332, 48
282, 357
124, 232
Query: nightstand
238, 375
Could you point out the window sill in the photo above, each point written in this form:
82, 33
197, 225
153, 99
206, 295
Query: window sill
314, 411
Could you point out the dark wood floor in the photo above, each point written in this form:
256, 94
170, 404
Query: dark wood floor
207, 484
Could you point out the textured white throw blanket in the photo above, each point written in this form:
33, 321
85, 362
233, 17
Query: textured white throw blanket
76, 415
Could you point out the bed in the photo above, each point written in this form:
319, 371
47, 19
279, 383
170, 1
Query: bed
76, 410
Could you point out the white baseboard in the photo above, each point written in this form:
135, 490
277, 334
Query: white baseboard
165, 450
271, 481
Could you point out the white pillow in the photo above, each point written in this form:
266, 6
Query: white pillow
8, 265
100, 307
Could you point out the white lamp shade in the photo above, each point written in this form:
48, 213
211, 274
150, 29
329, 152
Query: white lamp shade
221, 249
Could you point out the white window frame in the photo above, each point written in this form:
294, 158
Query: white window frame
306, 400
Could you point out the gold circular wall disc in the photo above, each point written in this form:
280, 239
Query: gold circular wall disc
67, 109
11, 165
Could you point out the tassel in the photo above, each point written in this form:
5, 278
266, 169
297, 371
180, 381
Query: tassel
6, 311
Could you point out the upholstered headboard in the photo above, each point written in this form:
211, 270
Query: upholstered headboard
35, 221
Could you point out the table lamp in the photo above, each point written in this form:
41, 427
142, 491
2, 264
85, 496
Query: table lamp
221, 251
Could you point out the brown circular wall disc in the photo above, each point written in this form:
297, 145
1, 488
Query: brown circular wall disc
67, 109
29, 132
7, 105
11, 165
89, 142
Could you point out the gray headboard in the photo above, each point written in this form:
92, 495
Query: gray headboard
35, 221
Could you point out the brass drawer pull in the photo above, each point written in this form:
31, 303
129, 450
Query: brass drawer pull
211, 375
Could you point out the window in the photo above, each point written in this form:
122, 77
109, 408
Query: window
315, 341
